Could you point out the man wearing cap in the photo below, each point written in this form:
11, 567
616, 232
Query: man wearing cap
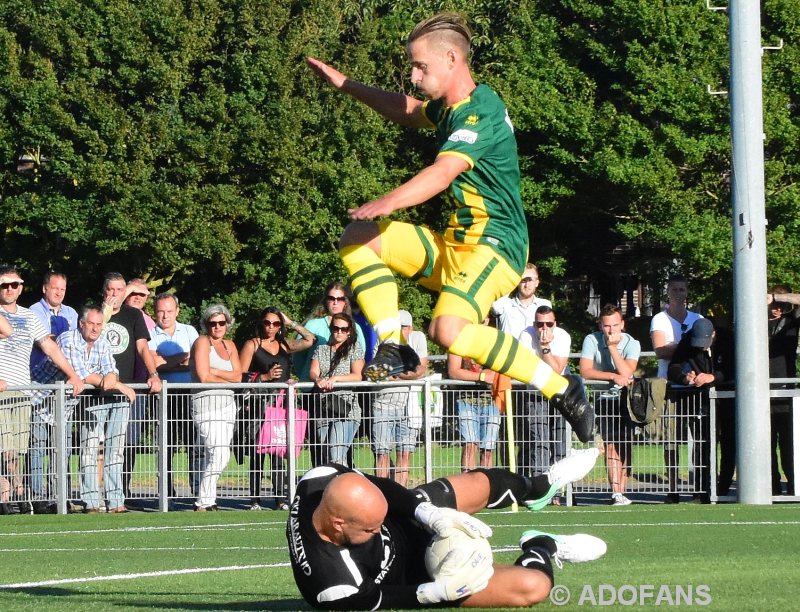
391, 425
15, 355
692, 367
783, 325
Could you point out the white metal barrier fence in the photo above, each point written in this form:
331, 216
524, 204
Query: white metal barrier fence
232, 442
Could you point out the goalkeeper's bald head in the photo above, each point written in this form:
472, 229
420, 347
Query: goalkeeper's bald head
351, 512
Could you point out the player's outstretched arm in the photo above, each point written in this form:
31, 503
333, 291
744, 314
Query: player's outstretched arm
395, 106
429, 182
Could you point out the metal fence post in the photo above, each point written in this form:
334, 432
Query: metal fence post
427, 397
163, 450
62, 451
291, 396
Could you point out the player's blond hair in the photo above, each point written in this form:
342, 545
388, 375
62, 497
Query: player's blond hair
449, 28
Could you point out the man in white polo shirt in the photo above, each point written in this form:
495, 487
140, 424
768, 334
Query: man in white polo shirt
516, 312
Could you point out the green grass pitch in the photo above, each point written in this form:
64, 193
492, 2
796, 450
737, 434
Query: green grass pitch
736, 557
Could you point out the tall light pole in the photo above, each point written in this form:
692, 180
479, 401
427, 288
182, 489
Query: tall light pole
749, 255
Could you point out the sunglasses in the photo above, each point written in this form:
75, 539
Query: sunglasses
336, 298
11, 285
541, 324
341, 330
269, 323
136, 294
528, 279
213, 324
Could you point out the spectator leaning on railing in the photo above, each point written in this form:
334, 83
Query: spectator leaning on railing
15, 406
612, 355
103, 416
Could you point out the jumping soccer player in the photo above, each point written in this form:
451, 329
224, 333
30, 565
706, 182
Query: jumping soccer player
483, 252
358, 542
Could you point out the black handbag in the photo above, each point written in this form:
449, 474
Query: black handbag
334, 405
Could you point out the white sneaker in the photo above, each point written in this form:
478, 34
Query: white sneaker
255, 506
577, 548
561, 473
618, 499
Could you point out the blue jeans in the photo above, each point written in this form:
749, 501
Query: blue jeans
337, 436
478, 422
111, 422
390, 426
40, 437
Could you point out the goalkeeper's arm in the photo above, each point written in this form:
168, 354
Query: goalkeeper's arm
436, 519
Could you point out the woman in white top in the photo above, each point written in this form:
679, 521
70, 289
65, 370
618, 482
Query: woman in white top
214, 360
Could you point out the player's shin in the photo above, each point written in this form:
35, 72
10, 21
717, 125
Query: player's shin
502, 353
375, 288
536, 555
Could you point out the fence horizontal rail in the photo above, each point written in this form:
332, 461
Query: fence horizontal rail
223, 442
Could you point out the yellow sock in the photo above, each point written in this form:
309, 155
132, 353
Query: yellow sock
375, 288
502, 353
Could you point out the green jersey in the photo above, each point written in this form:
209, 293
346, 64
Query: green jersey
486, 197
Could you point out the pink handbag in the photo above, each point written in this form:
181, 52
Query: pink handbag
273, 437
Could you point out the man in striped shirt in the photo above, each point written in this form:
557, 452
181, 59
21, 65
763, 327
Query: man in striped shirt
15, 355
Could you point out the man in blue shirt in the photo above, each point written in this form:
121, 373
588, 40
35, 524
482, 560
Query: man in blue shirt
170, 345
56, 316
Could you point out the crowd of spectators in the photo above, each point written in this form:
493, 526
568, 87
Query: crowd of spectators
116, 343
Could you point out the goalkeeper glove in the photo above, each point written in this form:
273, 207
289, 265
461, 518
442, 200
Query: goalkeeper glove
440, 521
461, 574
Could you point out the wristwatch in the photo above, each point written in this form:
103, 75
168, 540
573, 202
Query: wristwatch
545, 351
153, 375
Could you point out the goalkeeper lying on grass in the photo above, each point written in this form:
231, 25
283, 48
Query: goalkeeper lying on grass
358, 542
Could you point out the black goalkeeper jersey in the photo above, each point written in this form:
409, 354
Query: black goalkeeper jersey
384, 572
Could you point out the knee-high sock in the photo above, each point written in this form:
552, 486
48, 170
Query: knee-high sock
502, 353
536, 555
375, 289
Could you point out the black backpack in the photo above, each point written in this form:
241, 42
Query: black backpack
645, 399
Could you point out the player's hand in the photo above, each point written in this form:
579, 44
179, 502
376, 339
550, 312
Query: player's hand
462, 573
370, 210
329, 74
440, 521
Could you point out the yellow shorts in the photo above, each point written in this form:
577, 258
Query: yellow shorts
468, 278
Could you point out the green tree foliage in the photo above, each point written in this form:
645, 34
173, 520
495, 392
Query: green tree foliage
186, 140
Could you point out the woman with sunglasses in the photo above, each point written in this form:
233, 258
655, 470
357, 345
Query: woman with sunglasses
214, 360
340, 360
336, 300
266, 358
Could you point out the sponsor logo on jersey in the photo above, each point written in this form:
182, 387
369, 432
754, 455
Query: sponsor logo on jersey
467, 136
